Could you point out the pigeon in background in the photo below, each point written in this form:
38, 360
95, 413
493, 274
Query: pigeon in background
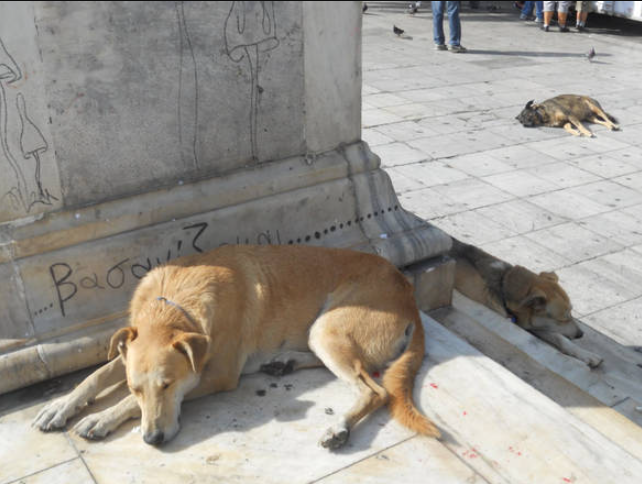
364, 8
413, 8
397, 30
591, 54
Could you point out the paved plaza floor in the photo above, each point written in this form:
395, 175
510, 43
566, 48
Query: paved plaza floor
444, 126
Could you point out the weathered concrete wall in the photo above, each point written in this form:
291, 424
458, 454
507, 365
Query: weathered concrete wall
137, 132
142, 94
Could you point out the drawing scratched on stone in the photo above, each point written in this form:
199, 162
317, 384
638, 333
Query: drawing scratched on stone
250, 32
187, 92
32, 142
9, 73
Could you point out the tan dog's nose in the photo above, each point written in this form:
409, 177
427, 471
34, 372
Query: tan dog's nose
154, 438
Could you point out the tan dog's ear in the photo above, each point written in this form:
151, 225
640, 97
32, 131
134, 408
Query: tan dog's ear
119, 340
536, 299
194, 346
550, 276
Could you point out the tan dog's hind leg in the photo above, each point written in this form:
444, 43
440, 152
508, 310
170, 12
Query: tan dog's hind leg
569, 127
612, 126
337, 351
578, 124
98, 425
55, 414
602, 118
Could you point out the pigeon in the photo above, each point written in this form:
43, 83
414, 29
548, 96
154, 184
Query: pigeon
364, 8
413, 8
590, 54
397, 30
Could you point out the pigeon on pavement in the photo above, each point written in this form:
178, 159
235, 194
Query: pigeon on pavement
591, 54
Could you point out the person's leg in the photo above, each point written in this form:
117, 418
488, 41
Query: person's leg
527, 10
453, 23
562, 14
582, 15
539, 11
549, 9
438, 22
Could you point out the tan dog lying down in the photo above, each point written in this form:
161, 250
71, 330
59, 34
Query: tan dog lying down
200, 322
535, 302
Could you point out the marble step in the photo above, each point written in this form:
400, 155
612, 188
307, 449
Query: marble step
497, 429
606, 397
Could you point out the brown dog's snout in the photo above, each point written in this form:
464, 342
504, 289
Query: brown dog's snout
154, 438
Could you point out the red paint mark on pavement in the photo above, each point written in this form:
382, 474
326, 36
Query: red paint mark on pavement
566, 479
434, 385
471, 454
465, 413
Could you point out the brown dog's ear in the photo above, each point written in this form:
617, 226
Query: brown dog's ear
194, 346
550, 276
536, 300
118, 343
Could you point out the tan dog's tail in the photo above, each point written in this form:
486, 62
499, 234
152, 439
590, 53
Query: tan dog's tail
399, 381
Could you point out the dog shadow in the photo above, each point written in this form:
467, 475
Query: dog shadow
258, 405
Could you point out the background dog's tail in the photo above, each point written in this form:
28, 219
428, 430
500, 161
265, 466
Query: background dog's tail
399, 381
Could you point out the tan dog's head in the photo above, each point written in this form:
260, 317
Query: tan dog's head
532, 115
539, 302
163, 365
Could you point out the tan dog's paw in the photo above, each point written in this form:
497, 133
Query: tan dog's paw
54, 415
97, 425
335, 438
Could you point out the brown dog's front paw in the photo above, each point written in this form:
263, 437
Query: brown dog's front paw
594, 361
334, 439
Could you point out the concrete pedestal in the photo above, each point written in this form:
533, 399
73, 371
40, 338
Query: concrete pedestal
134, 133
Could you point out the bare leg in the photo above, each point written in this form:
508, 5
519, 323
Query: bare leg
55, 414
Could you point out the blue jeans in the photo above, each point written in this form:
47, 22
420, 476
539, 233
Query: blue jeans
454, 24
539, 9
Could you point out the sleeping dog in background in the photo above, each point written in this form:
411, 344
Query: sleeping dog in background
535, 302
567, 111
